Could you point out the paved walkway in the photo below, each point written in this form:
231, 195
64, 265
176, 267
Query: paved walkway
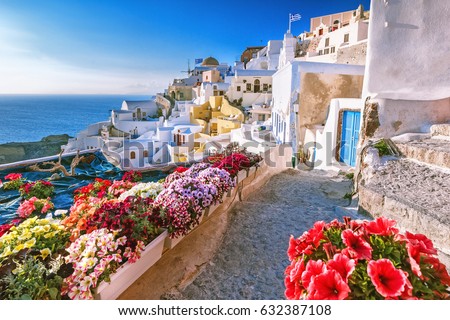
250, 262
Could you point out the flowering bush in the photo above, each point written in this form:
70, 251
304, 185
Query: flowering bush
99, 189
44, 235
233, 163
34, 206
172, 177
364, 260
15, 181
40, 189
182, 203
132, 218
80, 211
196, 168
132, 176
94, 257
143, 190
118, 187
219, 178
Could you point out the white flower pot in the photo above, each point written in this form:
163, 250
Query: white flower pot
130, 272
242, 175
170, 243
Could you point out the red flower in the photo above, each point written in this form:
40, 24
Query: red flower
297, 247
313, 268
13, 176
294, 288
439, 268
421, 243
418, 245
181, 169
342, 264
382, 227
388, 280
357, 247
328, 286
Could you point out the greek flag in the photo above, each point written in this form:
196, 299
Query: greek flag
199, 60
295, 17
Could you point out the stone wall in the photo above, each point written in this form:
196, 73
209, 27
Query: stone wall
355, 54
317, 90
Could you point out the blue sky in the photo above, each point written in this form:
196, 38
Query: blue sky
134, 46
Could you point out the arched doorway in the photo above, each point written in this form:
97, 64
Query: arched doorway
257, 86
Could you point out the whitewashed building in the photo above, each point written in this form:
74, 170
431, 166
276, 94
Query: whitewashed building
302, 92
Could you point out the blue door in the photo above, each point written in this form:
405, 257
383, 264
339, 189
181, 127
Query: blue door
350, 136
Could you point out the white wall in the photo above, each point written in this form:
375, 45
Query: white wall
408, 50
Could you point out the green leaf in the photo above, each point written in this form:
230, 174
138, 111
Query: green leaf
53, 292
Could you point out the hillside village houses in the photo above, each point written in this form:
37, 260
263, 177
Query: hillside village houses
277, 87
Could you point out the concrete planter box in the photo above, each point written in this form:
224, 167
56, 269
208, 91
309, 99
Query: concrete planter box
130, 272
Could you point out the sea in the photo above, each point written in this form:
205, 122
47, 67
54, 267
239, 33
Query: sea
27, 118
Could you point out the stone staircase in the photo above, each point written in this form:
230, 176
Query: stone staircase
415, 189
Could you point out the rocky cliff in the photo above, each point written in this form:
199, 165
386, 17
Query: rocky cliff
18, 151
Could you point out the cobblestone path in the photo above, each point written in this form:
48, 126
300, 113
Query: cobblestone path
251, 260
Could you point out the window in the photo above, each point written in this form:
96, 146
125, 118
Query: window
144, 114
346, 37
333, 49
320, 32
206, 78
132, 155
181, 95
215, 87
249, 87
327, 42
257, 86
221, 93
320, 52
265, 87
238, 88
326, 51
145, 153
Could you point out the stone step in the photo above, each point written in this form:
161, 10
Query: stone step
417, 196
428, 150
440, 129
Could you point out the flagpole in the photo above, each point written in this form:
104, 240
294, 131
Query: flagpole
289, 30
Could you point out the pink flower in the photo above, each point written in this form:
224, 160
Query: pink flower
328, 286
382, 227
26, 208
388, 280
342, 264
313, 268
357, 247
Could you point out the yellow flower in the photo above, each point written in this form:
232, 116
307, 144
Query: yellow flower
29, 243
49, 235
45, 252
46, 228
37, 230
6, 252
18, 248
43, 222
25, 235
